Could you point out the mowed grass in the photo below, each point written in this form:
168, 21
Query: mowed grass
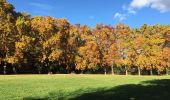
83, 87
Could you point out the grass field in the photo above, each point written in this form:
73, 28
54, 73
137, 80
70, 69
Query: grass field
84, 87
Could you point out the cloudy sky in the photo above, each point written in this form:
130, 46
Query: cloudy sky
130, 12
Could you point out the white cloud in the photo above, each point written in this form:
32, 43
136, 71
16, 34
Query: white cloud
41, 6
120, 16
131, 9
123, 16
160, 5
140, 3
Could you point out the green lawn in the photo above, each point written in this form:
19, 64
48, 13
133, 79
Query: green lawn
84, 87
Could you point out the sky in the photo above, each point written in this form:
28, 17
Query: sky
90, 12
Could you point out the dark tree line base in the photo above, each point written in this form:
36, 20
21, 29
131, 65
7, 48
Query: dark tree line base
26, 69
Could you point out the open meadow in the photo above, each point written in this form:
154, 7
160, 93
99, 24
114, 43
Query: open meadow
84, 87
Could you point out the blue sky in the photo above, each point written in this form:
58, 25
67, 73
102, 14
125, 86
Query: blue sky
89, 12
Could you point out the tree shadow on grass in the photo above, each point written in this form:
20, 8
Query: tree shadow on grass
148, 90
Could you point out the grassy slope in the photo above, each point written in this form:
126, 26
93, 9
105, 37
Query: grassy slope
54, 86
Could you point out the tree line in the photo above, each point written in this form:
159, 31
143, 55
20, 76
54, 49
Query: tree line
44, 44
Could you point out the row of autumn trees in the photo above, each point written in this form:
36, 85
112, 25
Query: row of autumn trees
39, 43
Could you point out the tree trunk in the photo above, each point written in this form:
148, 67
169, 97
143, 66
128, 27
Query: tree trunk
39, 71
166, 71
126, 70
4, 68
68, 71
105, 71
158, 72
49, 69
112, 70
81, 71
151, 73
139, 72
14, 70
49, 72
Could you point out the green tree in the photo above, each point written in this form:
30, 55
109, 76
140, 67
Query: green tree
88, 53
123, 36
8, 31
